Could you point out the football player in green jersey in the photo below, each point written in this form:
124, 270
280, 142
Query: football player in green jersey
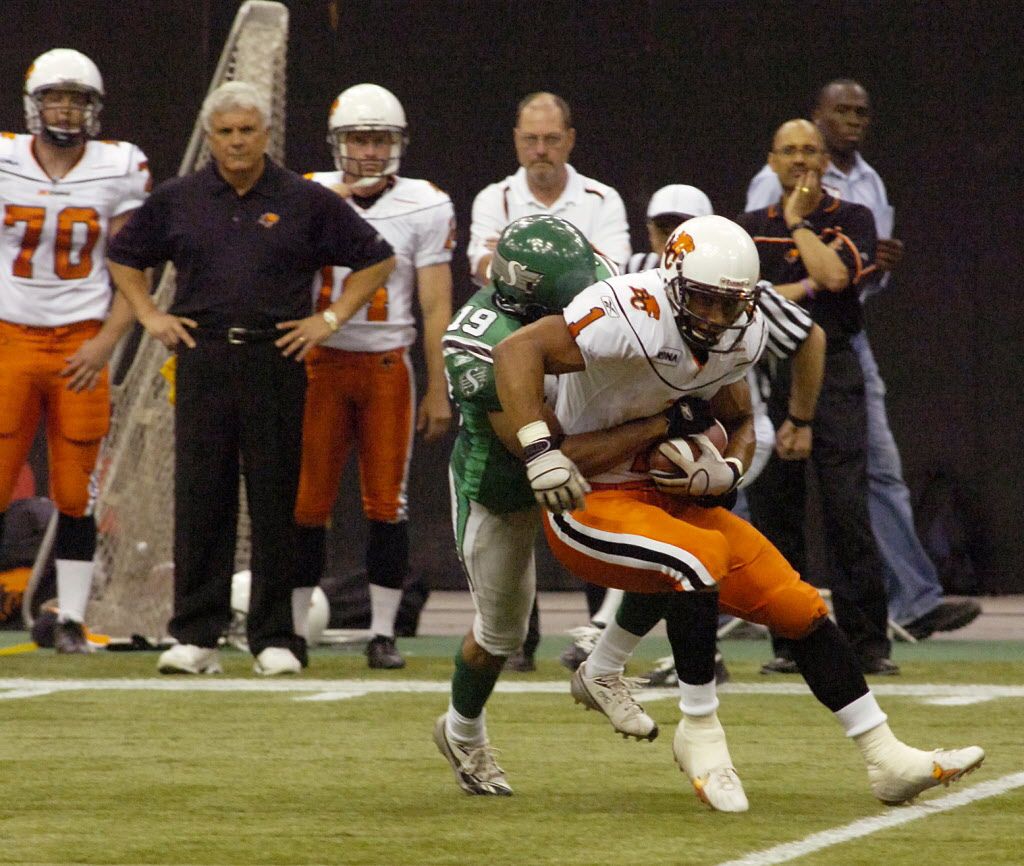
540, 263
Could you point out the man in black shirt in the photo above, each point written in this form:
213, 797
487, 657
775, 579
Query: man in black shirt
816, 249
246, 238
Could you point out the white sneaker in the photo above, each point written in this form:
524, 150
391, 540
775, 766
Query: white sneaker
701, 752
187, 658
901, 777
610, 695
584, 639
475, 767
276, 660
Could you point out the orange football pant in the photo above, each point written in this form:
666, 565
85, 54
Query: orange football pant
361, 398
641, 540
31, 387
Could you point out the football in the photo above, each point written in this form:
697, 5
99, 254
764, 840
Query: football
660, 464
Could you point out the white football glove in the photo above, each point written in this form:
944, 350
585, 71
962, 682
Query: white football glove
557, 483
710, 474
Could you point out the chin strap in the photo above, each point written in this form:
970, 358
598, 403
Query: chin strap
62, 137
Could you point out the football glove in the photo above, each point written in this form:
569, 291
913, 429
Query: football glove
709, 474
557, 483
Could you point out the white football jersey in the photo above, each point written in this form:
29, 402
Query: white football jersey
53, 268
418, 220
637, 362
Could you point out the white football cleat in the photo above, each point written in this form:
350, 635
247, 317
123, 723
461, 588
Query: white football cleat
701, 752
187, 658
610, 694
900, 778
276, 660
475, 767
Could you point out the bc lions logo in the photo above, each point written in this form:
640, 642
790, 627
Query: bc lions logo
269, 220
677, 247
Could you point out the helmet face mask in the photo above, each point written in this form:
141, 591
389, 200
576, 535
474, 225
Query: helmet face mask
370, 109
54, 80
539, 264
710, 269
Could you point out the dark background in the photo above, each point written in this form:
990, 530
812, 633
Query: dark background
663, 92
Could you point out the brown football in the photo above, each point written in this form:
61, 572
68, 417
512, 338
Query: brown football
660, 464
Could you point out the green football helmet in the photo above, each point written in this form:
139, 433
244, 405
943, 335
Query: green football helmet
540, 263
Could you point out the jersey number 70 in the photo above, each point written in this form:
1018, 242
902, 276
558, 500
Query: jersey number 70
65, 265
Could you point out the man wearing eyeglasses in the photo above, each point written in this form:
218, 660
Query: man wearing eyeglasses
546, 184
816, 250
842, 112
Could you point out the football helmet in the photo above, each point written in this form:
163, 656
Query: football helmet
710, 269
541, 263
63, 69
367, 107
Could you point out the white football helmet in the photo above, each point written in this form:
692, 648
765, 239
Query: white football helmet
710, 267
367, 107
63, 69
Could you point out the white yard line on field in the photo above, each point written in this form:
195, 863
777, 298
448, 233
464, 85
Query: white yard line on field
20, 688
866, 826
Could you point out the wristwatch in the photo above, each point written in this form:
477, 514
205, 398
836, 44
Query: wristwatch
332, 320
803, 224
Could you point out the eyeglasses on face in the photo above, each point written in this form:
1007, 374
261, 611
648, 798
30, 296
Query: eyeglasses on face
552, 140
793, 150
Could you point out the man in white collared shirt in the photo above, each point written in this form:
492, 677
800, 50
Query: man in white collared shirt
546, 184
842, 113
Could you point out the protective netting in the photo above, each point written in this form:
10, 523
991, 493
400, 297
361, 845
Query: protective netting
132, 589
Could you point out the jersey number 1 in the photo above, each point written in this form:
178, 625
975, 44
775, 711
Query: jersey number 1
63, 265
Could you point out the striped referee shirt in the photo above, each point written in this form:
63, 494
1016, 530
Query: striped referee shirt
788, 323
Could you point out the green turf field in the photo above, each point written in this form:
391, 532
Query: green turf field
103, 761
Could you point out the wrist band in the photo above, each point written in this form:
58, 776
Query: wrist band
799, 422
808, 287
536, 439
803, 224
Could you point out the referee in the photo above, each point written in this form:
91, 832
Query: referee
246, 237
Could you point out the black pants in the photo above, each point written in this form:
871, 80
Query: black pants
839, 460
238, 407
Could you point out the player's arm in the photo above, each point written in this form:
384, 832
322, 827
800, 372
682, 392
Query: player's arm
520, 362
794, 439
731, 405
83, 368
434, 284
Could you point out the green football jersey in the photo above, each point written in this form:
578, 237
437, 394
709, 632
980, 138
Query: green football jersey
484, 470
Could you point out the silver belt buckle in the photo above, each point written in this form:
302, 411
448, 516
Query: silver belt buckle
236, 336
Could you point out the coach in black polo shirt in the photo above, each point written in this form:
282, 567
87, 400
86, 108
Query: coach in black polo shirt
816, 249
246, 238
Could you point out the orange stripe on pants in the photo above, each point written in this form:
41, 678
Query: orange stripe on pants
642, 540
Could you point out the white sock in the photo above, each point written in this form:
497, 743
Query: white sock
612, 651
880, 746
699, 700
384, 607
301, 598
74, 581
609, 607
861, 715
468, 732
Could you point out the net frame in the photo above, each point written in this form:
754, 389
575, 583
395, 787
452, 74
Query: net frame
134, 480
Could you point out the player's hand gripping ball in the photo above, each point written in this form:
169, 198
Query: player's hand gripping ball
694, 465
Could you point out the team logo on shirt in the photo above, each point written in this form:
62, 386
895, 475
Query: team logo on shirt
472, 381
645, 302
269, 220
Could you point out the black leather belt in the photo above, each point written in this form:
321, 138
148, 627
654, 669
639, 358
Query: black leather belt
238, 336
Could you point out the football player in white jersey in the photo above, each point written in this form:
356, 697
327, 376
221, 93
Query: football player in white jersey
631, 346
361, 385
63, 195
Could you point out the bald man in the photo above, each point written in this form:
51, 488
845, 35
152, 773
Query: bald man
817, 249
